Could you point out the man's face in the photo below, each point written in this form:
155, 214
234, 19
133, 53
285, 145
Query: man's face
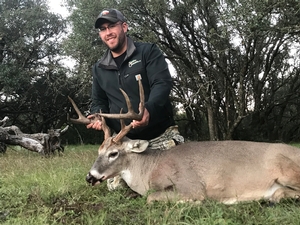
113, 36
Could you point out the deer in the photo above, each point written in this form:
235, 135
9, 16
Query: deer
227, 171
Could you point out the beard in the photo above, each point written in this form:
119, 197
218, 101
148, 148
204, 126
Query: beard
120, 43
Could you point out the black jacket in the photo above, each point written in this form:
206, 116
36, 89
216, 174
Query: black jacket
148, 61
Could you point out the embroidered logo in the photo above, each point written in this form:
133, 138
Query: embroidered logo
133, 62
105, 12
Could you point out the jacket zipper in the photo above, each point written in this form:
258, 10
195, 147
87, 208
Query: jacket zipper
119, 79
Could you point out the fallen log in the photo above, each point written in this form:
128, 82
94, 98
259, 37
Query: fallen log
44, 143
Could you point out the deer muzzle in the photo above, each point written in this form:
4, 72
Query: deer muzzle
92, 180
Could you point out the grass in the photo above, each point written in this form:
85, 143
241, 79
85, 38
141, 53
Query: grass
36, 190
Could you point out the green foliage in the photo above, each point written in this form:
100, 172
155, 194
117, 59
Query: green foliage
33, 82
36, 190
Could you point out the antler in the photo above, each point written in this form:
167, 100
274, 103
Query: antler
83, 120
129, 115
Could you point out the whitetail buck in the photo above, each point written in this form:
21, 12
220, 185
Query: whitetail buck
227, 171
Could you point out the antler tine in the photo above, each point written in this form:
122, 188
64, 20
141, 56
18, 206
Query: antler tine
81, 118
105, 129
124, 130
130, 114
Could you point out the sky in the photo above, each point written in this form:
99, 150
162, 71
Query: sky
56, 7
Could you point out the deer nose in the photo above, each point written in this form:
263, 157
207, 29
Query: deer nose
89, 178
92, 180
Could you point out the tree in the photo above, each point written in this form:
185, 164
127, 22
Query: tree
33, 82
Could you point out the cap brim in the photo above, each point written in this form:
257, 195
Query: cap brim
104, 19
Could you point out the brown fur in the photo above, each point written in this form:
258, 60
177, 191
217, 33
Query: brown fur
227, 171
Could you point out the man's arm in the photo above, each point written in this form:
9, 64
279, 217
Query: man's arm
160, 81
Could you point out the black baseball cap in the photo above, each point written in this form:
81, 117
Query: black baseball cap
110, 15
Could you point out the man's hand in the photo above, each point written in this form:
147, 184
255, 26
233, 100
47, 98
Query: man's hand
142, 123
96, 124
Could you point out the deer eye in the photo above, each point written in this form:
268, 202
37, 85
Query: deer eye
113, 154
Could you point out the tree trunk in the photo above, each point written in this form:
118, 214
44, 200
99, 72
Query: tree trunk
211, 123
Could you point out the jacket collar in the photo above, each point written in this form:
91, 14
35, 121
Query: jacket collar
107, 60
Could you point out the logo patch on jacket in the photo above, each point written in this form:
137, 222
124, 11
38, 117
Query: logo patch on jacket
133, 62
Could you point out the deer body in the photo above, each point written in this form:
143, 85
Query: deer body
227, 171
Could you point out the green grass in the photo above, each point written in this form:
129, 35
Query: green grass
36, 190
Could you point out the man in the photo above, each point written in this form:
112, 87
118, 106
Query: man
123, 63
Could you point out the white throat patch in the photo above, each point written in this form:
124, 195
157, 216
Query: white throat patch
126, 175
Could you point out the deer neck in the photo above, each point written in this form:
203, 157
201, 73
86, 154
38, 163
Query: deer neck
138, 171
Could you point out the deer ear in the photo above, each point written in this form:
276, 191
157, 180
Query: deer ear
136, 146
